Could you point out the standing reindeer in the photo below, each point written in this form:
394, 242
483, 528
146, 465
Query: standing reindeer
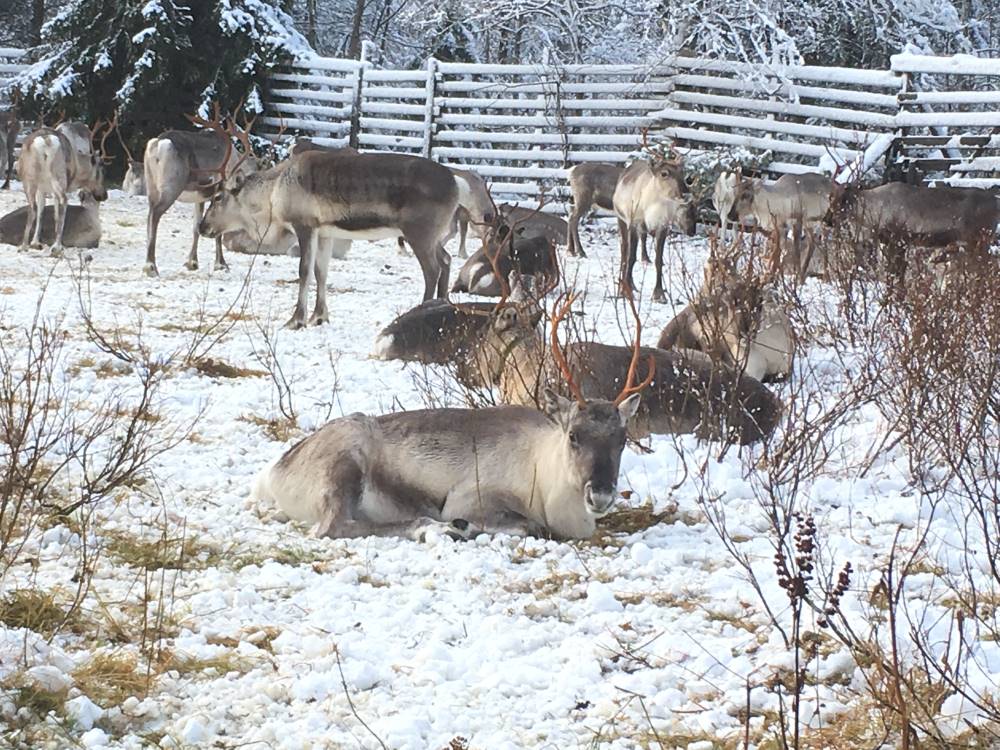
189, 167
54, 162
651, 198
796, 202
10, 126
328, 200
591, 184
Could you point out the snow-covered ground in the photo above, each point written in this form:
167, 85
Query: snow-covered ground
637, 638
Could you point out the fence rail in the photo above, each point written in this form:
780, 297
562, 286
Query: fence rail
930, 118
523, 126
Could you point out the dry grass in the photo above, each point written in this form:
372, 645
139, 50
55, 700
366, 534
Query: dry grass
186, 665
154, 553
110, 678
216, 368
39, 611
280, 429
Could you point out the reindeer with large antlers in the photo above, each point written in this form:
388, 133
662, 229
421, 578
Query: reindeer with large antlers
55, 162
684, 392
191, 167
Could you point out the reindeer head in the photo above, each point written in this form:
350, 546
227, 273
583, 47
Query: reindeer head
594, 431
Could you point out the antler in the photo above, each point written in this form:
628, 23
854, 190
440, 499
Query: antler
557, 352
230, 131
628, 388
105, 132
118, 134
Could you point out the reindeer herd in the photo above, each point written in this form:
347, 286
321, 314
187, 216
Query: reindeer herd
538, 463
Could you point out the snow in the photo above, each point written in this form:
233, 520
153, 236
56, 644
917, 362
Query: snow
512, 643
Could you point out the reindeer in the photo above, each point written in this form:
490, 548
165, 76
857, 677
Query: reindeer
190, 167
736, 322
337, 199
457, 472
686, 392
82, 227
591, 184
793, 202
506, 250
10, 126
649, 199
54, 162
899, 215
723, 197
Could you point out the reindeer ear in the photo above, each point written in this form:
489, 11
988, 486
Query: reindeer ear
560, 410
628, 408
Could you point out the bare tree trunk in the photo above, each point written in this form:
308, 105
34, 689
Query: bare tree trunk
311, 23
37, 19
354, 45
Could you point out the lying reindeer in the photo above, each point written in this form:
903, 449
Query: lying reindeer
503, 252
687, 393
82, 226
735, 322
507, 469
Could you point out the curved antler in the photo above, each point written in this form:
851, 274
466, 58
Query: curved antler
557, 352
628, 388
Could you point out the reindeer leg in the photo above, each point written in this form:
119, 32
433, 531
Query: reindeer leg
321, 267
444, 272
36, 240
463, 231
220, 261
401, 247
192, 261
661, 240
573, 245
645, 252
29, 222
60, 224
488, 515
307, 252
625, 271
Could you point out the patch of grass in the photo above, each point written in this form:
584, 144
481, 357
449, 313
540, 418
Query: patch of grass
39, 611
280, 555
221, 664
40, 701
280, 429
154, 553
216, 368
630, 520
8, 290
111, 369
108, 679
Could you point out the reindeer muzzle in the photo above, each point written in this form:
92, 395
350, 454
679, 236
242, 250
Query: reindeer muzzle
599, 502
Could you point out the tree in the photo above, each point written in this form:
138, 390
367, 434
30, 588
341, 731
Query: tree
152, 61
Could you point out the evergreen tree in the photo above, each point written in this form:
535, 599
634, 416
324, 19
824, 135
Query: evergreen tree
152, 61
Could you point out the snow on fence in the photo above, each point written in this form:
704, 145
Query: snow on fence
522, 126
10, 65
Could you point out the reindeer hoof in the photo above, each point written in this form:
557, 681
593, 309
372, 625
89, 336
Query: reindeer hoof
460, 530
318, 319
22, 248
221, 267
191, 265
150, 270
295, 323
659, 296
56, 252
36, 246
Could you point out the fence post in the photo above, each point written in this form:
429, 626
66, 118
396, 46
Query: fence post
354, 136
429, 125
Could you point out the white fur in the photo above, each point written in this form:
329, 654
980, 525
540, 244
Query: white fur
383, 346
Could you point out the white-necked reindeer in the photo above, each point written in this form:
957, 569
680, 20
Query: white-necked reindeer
651, 198
507, 469
55, 162
328, 200
794, 202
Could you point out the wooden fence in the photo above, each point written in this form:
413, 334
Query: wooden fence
522, 126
